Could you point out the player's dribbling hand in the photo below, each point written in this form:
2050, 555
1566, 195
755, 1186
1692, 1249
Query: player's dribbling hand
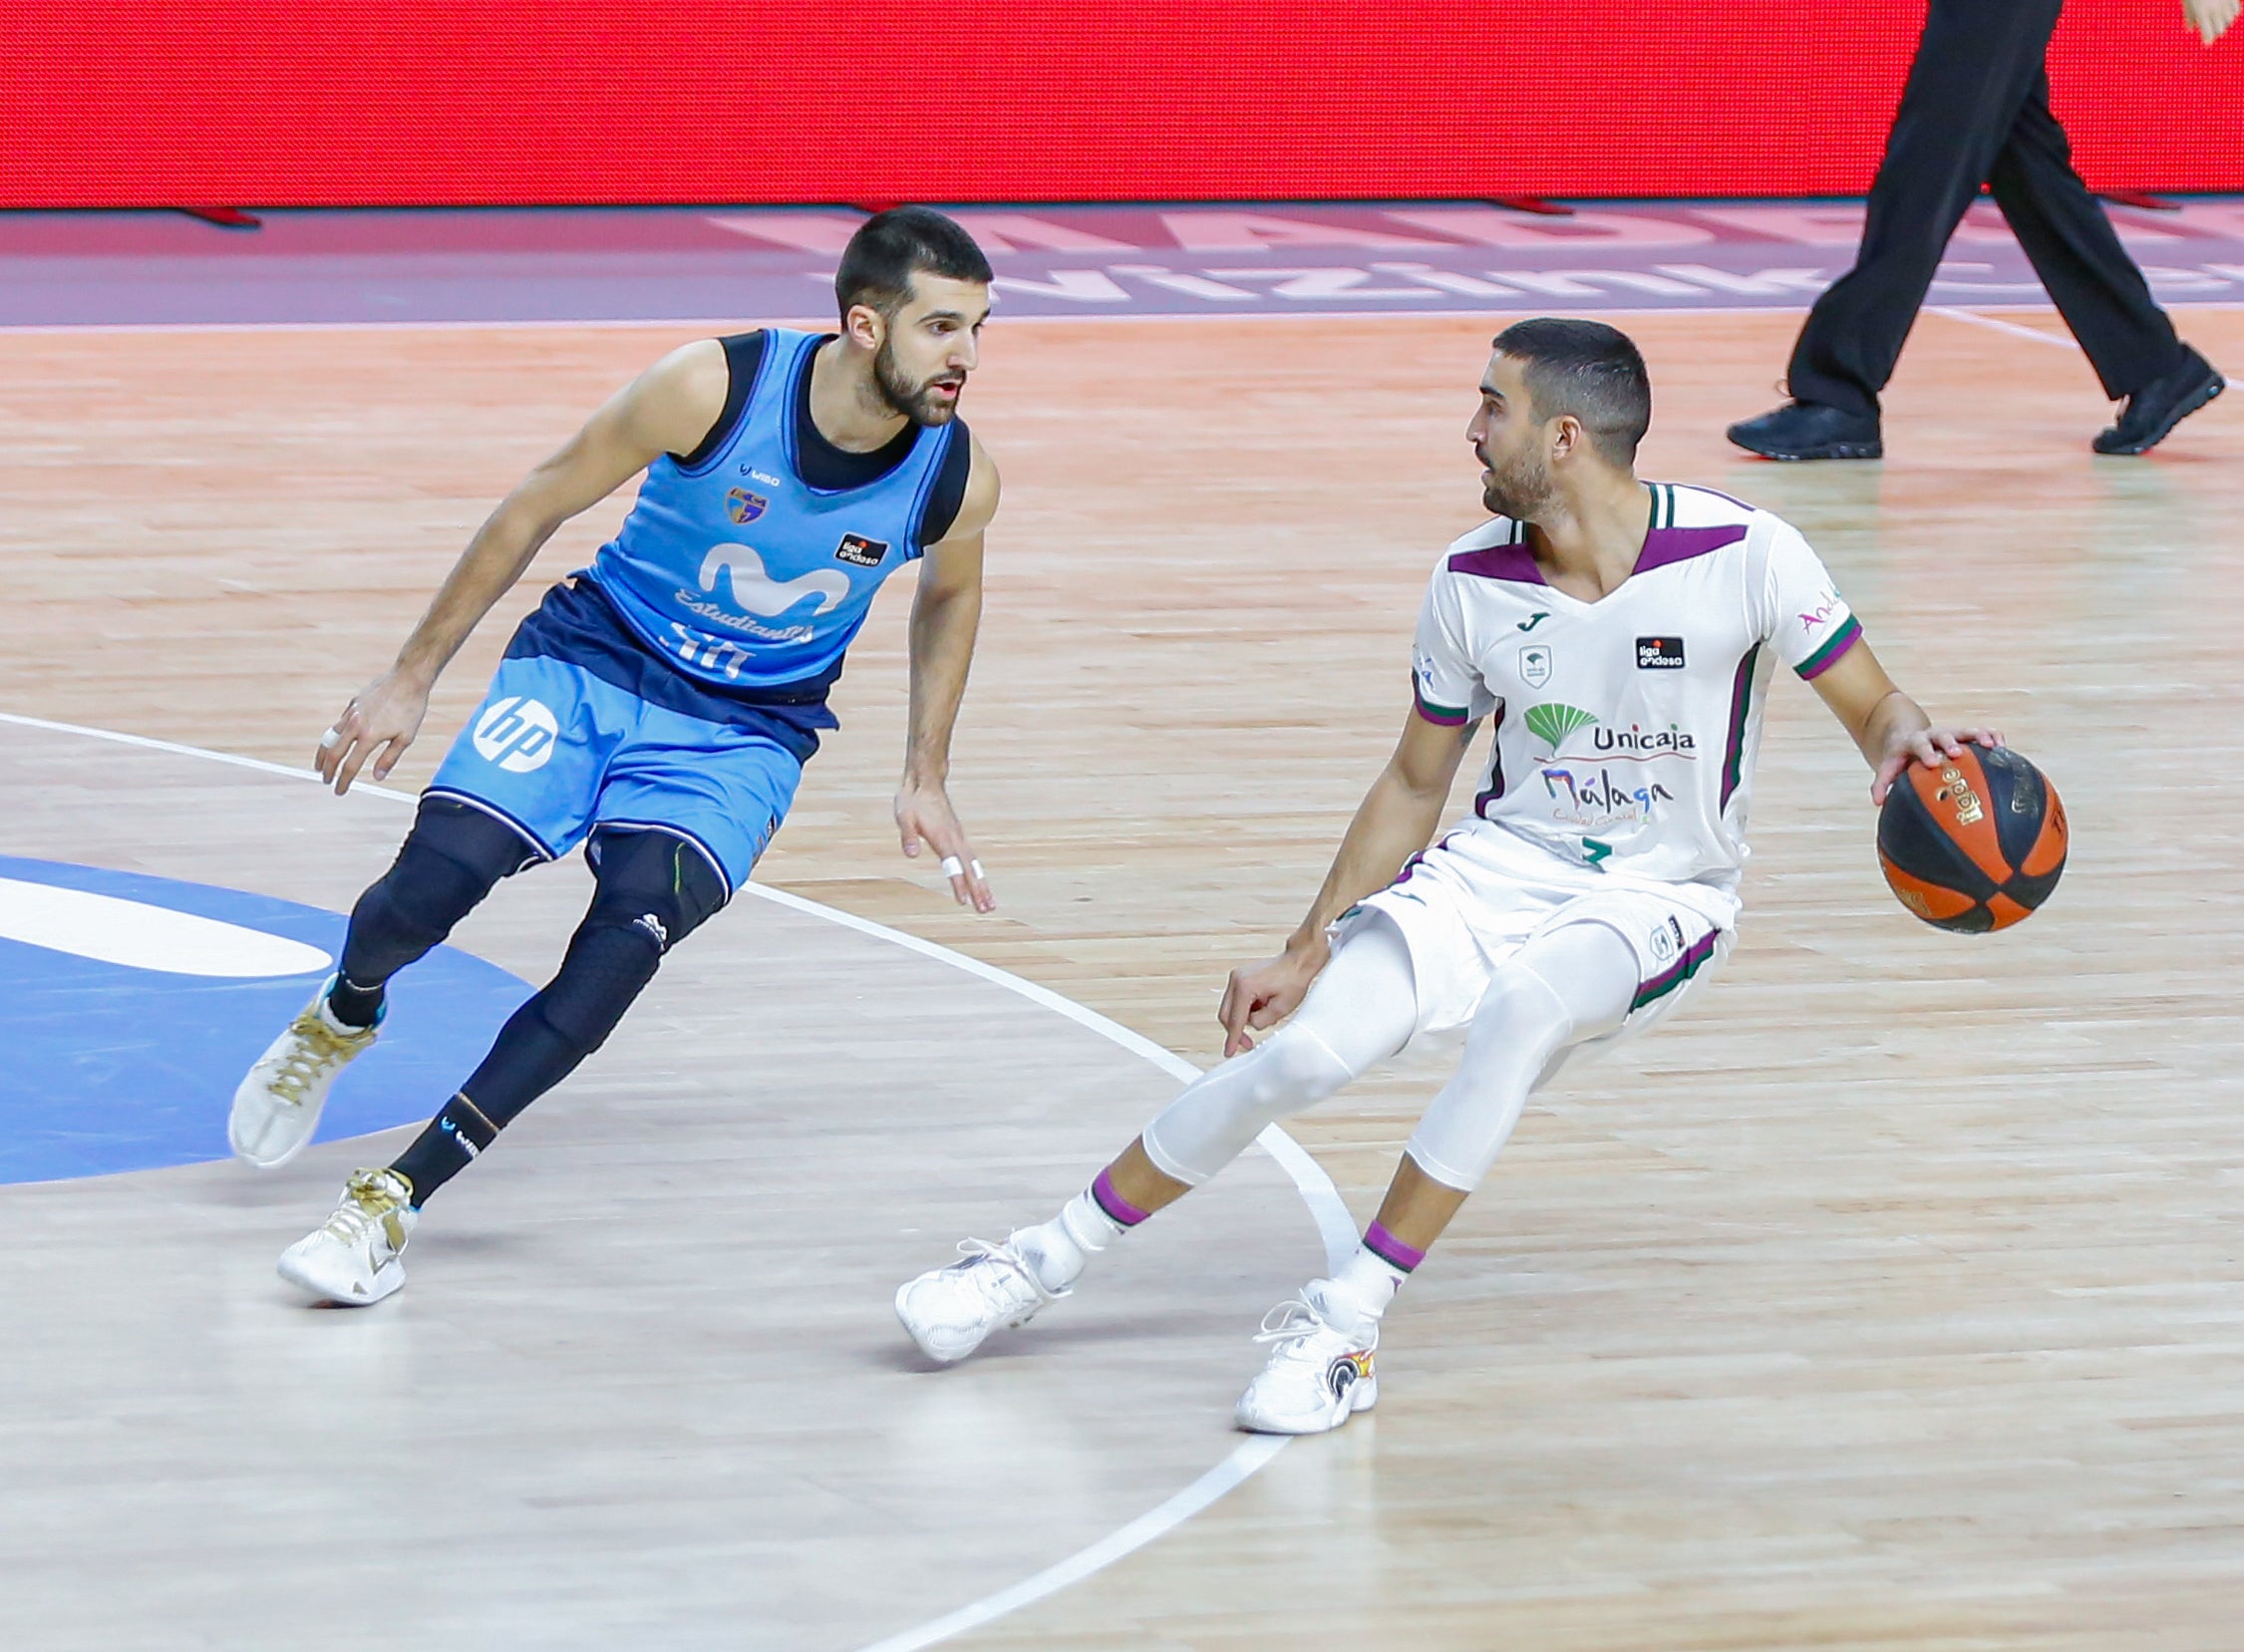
1930, 747
1262, 995
378, 723
924, 815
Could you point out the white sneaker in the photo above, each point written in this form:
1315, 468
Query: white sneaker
277, 1107
352, 1259
950, 1310
1320, 1374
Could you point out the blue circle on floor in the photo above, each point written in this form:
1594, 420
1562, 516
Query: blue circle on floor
131, 1006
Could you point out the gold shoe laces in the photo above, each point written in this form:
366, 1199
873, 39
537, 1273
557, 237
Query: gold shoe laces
369, 1197
318, 1050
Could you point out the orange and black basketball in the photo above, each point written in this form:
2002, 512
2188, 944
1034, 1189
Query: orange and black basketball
1974, 844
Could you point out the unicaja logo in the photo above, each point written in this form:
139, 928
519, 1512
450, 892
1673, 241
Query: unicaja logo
517, 734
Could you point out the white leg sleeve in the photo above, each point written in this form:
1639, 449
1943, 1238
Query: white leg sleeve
1572, 984
1362, 1009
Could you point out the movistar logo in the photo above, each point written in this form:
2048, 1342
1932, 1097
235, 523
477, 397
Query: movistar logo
757, 592
1532, 620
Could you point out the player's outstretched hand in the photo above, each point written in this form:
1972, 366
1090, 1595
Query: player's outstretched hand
1262, 995
924, 816
379, 724
1930, 747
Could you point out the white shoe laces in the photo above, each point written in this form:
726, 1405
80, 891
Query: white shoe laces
1291, 1324
992, 1281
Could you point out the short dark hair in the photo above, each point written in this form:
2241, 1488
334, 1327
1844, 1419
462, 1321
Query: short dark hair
1589, 369
890, 247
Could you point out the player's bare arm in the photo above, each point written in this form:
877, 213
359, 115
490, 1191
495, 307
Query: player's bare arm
1397, 816
667, 408
1890, 728
945, 615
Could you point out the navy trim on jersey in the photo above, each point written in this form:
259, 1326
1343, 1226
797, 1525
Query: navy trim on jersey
823, 468
578, 625
744, 363
949, 491
818, 463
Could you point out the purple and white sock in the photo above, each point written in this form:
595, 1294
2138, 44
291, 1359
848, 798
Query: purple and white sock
1368, 1280
1060, 1249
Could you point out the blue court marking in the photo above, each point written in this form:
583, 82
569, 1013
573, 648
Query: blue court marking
113, 1065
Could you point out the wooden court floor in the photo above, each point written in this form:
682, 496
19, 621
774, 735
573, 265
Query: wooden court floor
1890, 1299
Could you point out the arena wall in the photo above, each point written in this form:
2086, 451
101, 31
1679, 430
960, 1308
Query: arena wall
124, 103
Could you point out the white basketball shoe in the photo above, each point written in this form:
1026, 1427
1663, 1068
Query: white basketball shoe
950, 1310
1320, 1372
277, 1107
352, 1259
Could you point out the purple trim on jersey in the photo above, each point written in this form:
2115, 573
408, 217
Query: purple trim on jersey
1693, 960
1664, 545
1390, 1250
1495, 769
1118, 1209
1513, 563
1833, 650
1447, 717
1741, 702
1661, 547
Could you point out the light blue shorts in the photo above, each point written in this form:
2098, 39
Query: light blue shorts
559, 752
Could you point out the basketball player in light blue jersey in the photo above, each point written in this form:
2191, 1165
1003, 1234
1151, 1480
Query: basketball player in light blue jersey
659, 706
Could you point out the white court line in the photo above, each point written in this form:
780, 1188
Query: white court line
2000, 326
1334, 1223
1258, 1450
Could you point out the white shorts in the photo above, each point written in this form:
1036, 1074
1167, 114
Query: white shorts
1470, 903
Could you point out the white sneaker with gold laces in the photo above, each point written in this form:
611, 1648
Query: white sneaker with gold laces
352, 1259
277, 1107
1320, 1372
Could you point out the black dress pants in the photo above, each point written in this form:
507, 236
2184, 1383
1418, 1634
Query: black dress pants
1976, 111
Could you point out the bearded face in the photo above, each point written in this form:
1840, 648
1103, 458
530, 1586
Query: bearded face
1518, 484
928, 400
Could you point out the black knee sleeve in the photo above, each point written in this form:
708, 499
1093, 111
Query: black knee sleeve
448, 863
654, 890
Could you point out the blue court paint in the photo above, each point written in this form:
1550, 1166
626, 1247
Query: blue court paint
108, 1064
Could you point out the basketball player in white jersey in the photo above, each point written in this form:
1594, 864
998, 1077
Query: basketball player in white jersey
1621, 637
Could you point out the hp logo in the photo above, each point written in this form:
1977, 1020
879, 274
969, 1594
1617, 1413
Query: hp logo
517, 734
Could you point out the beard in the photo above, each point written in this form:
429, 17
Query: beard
1521, 489
915, 401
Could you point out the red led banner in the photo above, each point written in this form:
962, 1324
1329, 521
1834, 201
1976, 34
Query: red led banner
119, 103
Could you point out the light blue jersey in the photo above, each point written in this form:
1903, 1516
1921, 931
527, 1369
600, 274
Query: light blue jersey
740, 572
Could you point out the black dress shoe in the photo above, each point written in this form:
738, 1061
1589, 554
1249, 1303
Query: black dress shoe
2160, 405
1809, 430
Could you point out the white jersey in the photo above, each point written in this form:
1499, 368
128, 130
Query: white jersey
1626, 729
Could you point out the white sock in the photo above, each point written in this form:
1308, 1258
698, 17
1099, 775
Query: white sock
1059, 1250
1365, 1284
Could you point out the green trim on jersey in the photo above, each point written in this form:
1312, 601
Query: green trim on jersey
1837, 643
